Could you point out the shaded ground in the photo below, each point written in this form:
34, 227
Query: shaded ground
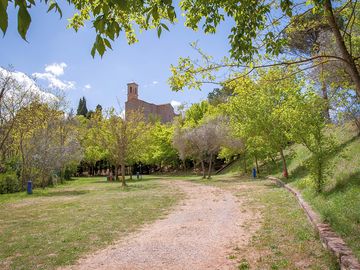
200, 233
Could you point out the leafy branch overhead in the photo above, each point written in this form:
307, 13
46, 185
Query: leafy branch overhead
110, 17
262, 32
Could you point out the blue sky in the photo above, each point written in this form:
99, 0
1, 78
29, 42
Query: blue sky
103, 80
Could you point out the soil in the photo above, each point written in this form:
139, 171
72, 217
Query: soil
201, 232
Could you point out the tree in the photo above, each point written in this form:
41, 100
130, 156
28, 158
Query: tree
196, 113
261, 41
160, 150
123, 139
82, 109
304, 116
252, 38
45, 141
256, 111
202, 142
89, 133
219, 95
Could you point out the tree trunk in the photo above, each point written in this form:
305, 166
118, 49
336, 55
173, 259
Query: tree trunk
245, 165
123, 182
130, 172
184, 164
348, 59
325, 95
210, 166
285, 170
116, 172
203, 169
357, 123
257, 165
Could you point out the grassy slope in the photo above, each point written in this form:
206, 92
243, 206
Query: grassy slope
340, 203
56, 226
285, 238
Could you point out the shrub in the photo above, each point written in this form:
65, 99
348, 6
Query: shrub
9, 183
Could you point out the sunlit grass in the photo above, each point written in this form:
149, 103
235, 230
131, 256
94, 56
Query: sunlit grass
55, 226
285, 238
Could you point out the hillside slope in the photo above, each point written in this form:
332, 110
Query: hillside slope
339, 204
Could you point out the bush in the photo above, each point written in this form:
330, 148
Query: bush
9, 183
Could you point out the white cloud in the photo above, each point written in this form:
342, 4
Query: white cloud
51, 74
122, 114
56, 69
176, 105
87, 86
27, 84
155, 82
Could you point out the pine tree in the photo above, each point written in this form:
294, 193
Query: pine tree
82, 109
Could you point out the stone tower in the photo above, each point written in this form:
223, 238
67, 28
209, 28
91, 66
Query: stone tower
132, 91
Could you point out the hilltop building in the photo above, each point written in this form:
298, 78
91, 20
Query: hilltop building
164, 112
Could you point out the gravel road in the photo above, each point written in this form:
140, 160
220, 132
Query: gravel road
200, 233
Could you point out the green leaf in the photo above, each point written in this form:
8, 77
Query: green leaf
3, 15
100, 45
93, 50
51, 6
24, 20
107, 43
164, 26
159, 30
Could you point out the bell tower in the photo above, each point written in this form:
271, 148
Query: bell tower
132, 92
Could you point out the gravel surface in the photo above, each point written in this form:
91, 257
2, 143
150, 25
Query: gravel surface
200, 233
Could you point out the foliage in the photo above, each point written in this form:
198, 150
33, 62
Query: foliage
196, 113
9, 183
202, 142
123, 139
110, 18
304, 115
219, 95
256, 111
47, 142
160, 150
82, 109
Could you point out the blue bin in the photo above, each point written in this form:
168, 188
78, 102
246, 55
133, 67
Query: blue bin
254, 173
29, 187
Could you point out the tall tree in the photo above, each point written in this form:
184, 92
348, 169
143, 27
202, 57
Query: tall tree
256, 110
123, 139
82, 109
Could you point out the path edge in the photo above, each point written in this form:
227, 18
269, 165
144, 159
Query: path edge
329, 239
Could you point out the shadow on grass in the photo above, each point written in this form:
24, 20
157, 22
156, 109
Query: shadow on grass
345, 182
128, 181
271, 186
343, 145
65, 193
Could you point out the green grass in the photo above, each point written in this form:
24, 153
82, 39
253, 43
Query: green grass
285, 238
339, 204
55, 226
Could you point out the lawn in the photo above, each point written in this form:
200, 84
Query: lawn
55, 226
285, 238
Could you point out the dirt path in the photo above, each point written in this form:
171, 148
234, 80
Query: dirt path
200, 233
